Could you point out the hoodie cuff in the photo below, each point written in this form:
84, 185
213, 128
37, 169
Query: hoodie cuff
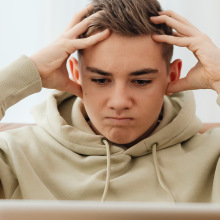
17, 81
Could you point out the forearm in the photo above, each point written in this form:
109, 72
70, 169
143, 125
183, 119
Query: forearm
17, 81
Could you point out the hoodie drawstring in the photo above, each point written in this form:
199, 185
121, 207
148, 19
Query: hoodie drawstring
108, 172
162, 184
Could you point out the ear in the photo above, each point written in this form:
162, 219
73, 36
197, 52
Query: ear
74, 69
174, 71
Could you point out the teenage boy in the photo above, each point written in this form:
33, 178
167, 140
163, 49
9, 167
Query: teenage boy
128, 136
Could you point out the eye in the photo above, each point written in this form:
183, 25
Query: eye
140, 82
101, 81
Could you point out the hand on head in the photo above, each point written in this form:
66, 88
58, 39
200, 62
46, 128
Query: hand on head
51, 60
206, 73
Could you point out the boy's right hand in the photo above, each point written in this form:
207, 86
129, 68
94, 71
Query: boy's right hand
51, 60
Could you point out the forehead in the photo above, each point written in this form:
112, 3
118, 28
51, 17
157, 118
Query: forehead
122, 53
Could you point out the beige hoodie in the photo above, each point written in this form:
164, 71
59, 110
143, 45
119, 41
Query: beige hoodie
62, 158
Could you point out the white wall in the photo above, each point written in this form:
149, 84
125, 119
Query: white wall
28, 25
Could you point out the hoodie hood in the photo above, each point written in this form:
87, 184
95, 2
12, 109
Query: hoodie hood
63, 116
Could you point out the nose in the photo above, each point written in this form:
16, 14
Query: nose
119, 99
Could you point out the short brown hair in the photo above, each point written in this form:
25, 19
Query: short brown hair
129, 18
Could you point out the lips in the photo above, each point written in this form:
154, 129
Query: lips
119, 120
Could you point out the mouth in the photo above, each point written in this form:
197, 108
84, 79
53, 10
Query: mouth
119, 120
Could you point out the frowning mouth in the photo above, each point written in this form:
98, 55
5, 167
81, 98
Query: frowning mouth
119, 120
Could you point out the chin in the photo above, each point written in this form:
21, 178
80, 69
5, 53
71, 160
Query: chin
127, 139
125, 143
121, 139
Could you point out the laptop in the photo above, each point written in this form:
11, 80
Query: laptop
88, 210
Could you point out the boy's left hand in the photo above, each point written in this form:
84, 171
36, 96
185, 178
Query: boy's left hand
206, 73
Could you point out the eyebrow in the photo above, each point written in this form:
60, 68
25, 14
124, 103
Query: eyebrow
135, 73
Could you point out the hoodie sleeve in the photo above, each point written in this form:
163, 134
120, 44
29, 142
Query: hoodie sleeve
17, 81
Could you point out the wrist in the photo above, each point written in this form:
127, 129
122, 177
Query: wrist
35, 61
216, 87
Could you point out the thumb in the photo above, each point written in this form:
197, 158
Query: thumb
178, 86
74, 88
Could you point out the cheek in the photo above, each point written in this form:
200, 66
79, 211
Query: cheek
156, 92
152, 100
92, 99
88, 92
160, 87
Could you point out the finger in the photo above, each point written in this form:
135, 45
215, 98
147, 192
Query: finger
178, 41
81, 27
177, 17
179, 86
178, 26
176, 34
79, 16
90, 41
